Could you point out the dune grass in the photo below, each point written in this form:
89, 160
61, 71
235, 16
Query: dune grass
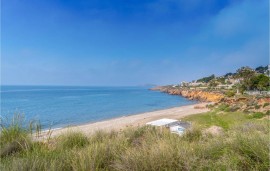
221, 117
243, 146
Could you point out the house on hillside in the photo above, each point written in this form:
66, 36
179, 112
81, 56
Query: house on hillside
267, 72
195, 84
192, 84
184, 84
232, 81
225, 86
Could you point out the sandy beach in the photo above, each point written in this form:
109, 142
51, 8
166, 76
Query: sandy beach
132, 120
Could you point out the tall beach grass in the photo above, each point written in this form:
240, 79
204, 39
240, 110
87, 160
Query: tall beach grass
243, 146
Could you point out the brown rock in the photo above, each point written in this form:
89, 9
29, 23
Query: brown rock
214, 130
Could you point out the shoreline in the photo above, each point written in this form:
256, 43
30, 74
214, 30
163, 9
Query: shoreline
122, 122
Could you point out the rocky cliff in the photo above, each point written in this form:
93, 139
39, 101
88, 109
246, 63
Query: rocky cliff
201, 95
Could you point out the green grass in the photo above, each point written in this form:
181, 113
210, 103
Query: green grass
243, 146
219, 118
223, 117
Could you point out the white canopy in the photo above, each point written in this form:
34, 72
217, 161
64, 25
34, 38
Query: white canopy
161, 122
177, 129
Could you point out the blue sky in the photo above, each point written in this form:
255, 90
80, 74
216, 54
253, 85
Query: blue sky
129, 42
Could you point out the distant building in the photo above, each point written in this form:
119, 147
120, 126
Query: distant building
225, 86
267, 72
184, 84
232, 81
194, 84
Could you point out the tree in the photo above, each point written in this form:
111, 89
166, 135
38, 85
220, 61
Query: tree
206, 79
263, 83
261, 69
228, 74
245, 74
221, 80
213, 83
260, 82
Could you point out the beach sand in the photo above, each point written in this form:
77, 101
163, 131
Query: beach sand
132, 121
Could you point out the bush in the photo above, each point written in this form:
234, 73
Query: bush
72, 140
257, 106
193, 134
230, 93
252, 103
223, 107
234, 108
210, 106
256, 115
246, 111
266, 104
14, 137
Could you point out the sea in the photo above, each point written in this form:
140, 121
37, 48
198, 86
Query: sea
61, 106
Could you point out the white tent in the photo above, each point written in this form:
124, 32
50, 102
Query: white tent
177, 129
162, 122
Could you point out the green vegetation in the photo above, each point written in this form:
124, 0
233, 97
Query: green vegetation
230, 93
243, 146
259, 82
206, 79
223, 117
252, 80
13, 137
221, 80
244, 79
229, 74
261, 69
266, 104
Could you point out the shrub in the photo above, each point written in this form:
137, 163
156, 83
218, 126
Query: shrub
14, 137
252, 151
193, 134
246, 111
234, 108
230, 93
252, 103
257, 115
210, 106
223, 107
72, 140
266, 104
257, 106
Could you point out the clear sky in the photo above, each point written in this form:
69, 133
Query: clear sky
129, 42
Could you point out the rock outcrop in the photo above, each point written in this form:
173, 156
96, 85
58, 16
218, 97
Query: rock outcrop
201, 95
214, 130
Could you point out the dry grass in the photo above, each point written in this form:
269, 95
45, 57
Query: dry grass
241, 147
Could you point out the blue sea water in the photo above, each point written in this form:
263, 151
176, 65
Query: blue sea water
59, 106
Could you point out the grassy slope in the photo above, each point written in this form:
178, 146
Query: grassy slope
243, 146
219, 118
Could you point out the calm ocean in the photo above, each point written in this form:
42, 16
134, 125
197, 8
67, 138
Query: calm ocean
59, 106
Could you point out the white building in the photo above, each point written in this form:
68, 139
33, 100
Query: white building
175, 126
